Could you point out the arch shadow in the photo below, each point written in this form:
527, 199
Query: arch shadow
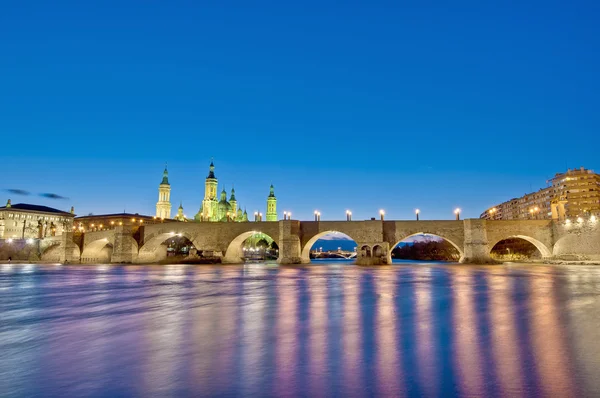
458, 248
150, 252
94, 251
234, 254
543, 249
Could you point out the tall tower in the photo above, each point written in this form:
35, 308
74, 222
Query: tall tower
163, 206
233, 203
209, 204
180, 216
272, 205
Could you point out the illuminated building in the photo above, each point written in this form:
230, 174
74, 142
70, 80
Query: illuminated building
575, 193
25, 221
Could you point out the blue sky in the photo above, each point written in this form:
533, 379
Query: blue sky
359, 106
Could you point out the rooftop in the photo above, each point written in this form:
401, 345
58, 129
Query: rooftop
126, 215
37, 208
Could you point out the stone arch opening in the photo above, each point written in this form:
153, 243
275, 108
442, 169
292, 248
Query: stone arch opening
99, 251
380, 253
251, 246
329, 245
519, 248
52, 253
422, 246
365, 251
156, 248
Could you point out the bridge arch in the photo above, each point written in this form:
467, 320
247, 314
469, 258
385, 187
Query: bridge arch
305, 253
234, 254
52, 251
151, 251
97, 251
543, 249
451, 241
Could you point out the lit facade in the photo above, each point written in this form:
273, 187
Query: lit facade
27, 221
575, 193
163, 206
103, 222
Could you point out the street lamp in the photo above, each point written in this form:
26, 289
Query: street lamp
381, 214
255, 216
289, 215
417, 211
259, 216
457, 212
493, 211
317, 215
348, 215
285, 215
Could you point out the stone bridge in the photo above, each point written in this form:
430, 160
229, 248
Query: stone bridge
375, 239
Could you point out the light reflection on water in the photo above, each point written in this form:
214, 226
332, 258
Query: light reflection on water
319, 330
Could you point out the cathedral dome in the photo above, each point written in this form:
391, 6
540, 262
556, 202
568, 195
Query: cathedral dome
224, 207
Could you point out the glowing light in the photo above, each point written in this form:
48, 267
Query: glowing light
141, 221
133, 219
417, 211
381, 212
568, 221
348, 212
112, 223
579, 219
593, 218
9, 240
29, 241
92, 225
457, 211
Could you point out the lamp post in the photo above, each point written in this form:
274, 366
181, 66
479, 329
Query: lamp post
382, 214
492, 212
285, 215
317, 215
348, 215
255, 216
259, 216
289, 215
457, 212
417, 211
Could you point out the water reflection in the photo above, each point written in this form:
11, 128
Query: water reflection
259, 330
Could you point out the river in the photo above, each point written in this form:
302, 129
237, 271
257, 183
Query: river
326, 329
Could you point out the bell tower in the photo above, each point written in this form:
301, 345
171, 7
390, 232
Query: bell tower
163, 206
209, 204
272, 205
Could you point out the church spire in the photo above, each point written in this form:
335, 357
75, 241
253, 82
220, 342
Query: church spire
165, 180
211, 169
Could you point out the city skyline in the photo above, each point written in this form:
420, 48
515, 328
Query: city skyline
148, 204
362, 108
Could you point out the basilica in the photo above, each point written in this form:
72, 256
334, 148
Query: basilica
212, 208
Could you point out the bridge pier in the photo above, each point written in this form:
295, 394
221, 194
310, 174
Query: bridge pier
125, 248
476, 246
290, 250
373, 253
69, 251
